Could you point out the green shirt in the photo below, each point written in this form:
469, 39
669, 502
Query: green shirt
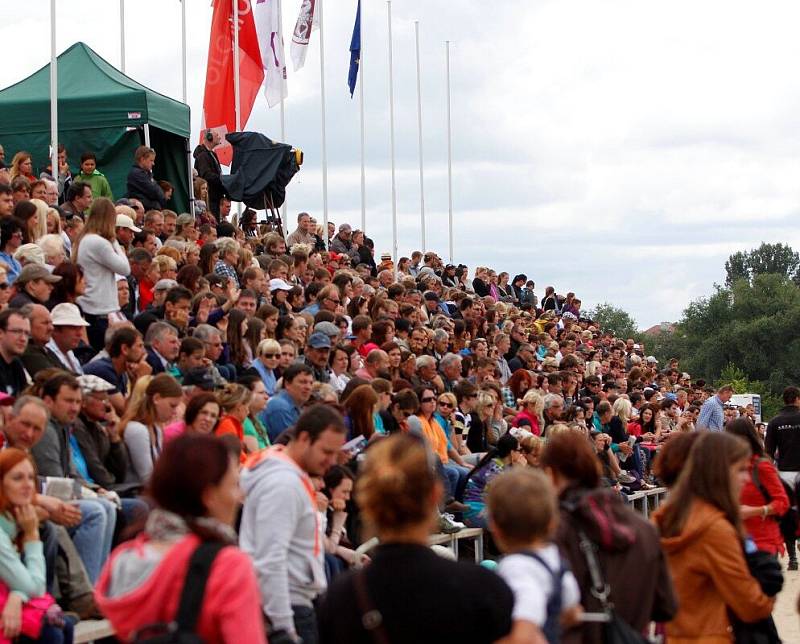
257, 431
98, 182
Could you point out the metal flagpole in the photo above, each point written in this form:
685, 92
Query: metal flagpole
236, 96
284, 223
419, 127
320, 8
236, 93
449, 157
122, 35
189, 163
53, 94
363, 124
183, 47
391, 137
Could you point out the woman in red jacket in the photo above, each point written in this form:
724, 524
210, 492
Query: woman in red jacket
763, 498
195, 486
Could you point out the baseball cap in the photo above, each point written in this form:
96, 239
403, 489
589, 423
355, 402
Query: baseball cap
32, 272
319, 340
165, 285
67, 314
277, 284
345, 228
123, 221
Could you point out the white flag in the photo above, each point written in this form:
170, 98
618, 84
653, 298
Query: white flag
270, 43
307, 21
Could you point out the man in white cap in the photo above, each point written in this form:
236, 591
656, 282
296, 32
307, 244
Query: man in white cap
125, 227
67, 334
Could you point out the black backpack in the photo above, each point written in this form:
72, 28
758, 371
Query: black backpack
789, 521
181, 629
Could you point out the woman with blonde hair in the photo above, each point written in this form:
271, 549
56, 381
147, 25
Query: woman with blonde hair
234, 399
37, 226
98, 253
532, 411
143, 424
398, 494
622, 409
53, 222
22, 166
266, 364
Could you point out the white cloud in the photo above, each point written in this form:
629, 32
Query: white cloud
619, 149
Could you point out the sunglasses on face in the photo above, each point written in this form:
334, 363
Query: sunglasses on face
443, 403
428, 400
272, 355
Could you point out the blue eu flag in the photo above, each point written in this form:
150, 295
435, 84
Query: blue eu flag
355, 52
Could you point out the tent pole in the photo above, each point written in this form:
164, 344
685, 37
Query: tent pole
147, 134
53, 94
190, 167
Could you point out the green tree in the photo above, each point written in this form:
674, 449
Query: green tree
752, 325
767, 259
614, 319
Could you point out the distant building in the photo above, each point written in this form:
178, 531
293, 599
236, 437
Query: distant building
664, 327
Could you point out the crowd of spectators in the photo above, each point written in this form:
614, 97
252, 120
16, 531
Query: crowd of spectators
129, 334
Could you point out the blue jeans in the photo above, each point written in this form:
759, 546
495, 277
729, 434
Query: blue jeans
50, 547
456, 477
94, 534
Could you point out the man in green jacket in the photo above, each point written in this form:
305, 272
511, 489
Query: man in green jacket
92, 176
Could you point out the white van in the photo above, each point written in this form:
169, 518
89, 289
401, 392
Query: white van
742, 400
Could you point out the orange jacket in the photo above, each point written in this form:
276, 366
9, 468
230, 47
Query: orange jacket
710, 573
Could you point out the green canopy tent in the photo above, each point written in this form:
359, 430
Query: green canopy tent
100, 110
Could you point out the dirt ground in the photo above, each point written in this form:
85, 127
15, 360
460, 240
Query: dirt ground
785, 613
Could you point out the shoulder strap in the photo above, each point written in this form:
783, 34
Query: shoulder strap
600, 588
757, 481
194, 587
371, 618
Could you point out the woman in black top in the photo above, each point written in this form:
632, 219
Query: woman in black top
421, 597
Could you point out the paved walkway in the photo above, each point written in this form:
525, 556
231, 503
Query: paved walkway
785, 613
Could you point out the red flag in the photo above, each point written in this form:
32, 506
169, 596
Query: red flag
219, 112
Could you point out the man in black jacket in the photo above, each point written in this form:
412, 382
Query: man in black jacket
783, 436
208, 167
141, 184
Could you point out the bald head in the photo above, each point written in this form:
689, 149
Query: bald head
41, 323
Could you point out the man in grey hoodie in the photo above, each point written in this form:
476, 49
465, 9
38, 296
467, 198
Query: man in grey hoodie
281, 528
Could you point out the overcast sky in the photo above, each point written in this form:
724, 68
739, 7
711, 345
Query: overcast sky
619, 149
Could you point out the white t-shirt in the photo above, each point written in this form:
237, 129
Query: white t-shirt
533, 584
